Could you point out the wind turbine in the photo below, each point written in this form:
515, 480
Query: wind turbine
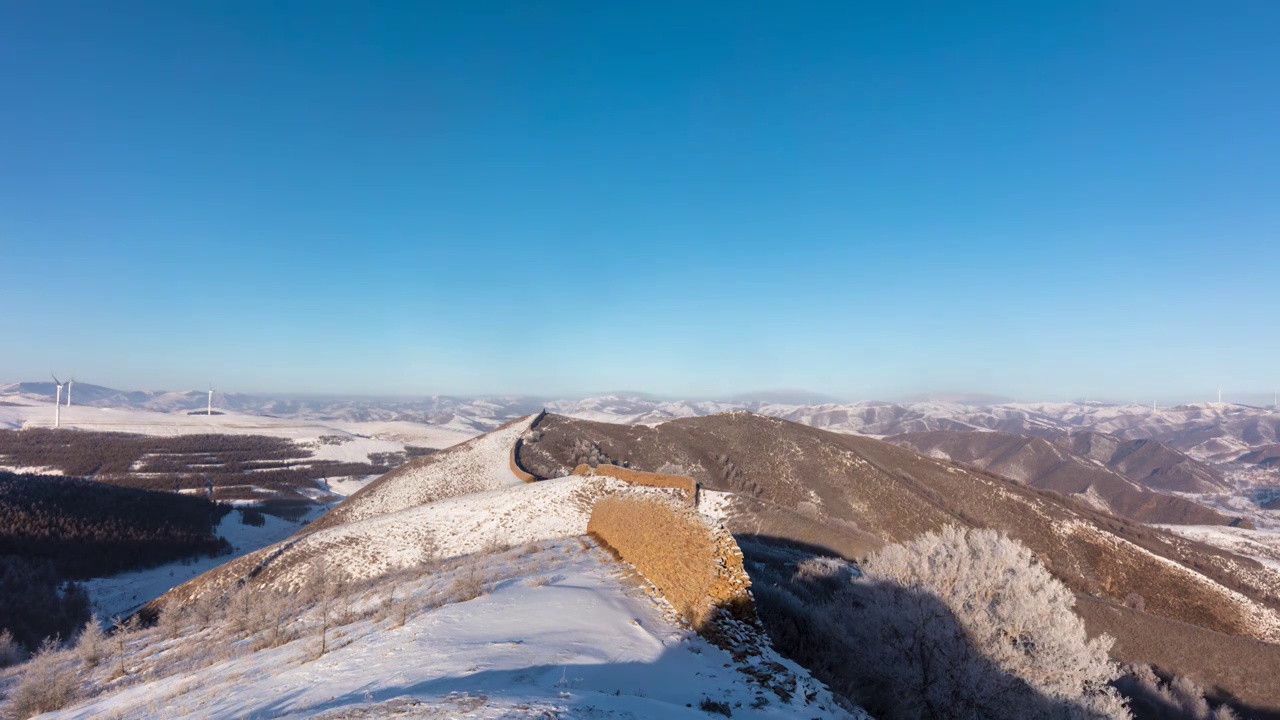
209, 411
57, 402
70, 382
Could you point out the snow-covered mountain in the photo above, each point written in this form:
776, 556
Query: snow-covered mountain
562, 632
452, 589
1218, 432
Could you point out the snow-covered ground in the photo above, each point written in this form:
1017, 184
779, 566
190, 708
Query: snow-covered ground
347, 441
566, 632
341, 441
124, 593
483, 463
456, 526
1240, 504
1261, 545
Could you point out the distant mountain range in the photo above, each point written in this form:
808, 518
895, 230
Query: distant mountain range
1215, 432
1121, 477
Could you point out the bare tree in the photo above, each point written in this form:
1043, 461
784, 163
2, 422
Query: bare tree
121, 628
322, 591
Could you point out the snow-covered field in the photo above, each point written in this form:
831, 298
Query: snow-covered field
358, 439
1240, 504
564, 633
343, 441
1261, 545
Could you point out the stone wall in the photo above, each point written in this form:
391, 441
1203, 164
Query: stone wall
690, 558
637, 477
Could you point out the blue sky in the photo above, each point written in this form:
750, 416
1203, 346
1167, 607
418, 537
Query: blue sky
1043, 200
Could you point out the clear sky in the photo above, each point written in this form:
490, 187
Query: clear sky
1043, 200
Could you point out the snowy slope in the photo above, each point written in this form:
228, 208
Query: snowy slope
565, 633
509, 516
1261, 545
483, 463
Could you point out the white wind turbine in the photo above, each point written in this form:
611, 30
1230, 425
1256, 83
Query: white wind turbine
209, 410
57, 402
70, 382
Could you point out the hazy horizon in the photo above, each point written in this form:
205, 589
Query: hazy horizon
782, 396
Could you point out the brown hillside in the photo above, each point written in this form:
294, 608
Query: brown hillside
1044, 464
1149, 463
843, 494
1266, 456
872, 488
1229, 667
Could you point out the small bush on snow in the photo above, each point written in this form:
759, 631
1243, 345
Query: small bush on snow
11, 651
91, 646
470, 583
47, 683
714, 706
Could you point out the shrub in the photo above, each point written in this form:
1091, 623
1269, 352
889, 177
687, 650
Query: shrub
964, 623
430, 549
11, 652
91, 645
715, 706
469, 584
47, 684
1179, 698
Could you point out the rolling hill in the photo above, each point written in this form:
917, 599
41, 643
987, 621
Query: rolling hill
847, 495
1099, 483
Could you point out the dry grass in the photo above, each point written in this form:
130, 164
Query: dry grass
49, 683
1229, 667
189, 636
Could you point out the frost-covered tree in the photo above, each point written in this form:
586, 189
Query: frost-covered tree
966, 623
47, 683
91, 646
1178, 698
11, 652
